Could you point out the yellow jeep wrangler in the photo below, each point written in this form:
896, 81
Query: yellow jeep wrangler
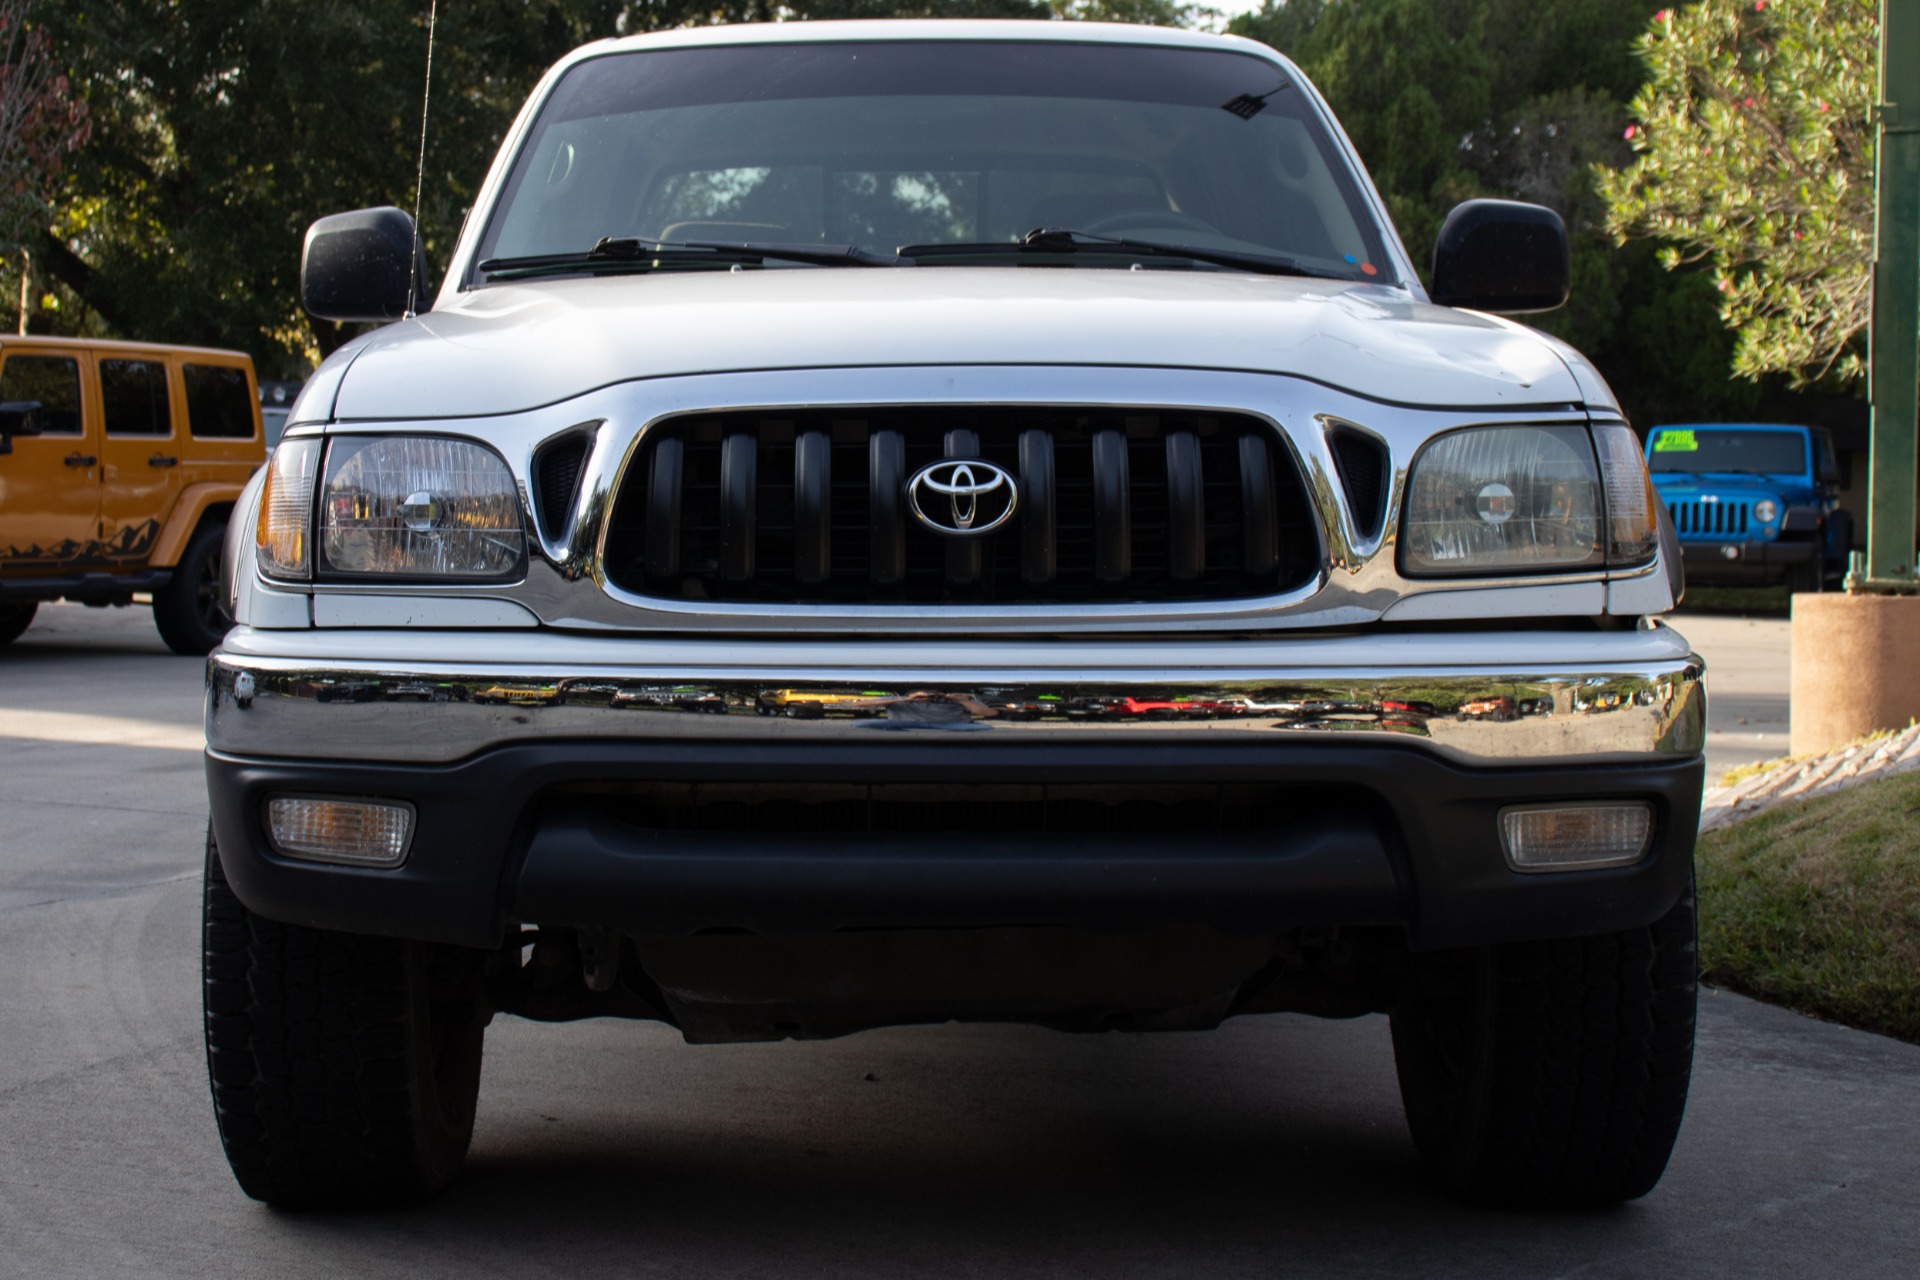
119, 464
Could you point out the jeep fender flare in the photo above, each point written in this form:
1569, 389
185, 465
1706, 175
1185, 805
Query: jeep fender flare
197, 502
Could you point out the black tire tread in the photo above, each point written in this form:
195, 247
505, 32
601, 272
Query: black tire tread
1585, 1066
308, 1038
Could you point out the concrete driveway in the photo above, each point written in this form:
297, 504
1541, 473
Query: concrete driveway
1274, 1146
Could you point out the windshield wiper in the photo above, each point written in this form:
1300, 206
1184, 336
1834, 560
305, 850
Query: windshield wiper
631, 254
1051, 240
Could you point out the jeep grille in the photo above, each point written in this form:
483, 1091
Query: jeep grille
1695, 519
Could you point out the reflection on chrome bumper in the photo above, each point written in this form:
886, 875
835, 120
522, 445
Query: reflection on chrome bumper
424, 712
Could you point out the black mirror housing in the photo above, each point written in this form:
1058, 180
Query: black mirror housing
19, 417
359, 267
1826, 466
1502, 256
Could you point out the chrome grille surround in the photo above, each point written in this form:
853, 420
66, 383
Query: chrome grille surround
1357, 583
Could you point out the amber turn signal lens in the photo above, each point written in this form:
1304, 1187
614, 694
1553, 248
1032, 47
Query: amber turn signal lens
1632, 534
284, 538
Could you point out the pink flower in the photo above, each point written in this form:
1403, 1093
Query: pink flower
1823, 107
1748, 102
1722, 286
1660, 16
1631, 131
1758, 5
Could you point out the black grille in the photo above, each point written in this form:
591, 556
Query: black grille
1698, 518
1116, 505
1362, 461
556, 472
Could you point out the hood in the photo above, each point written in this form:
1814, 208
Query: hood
1729, 483
507, 348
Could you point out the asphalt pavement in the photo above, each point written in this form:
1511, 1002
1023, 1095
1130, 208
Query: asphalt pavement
1272, 1146
1748, 677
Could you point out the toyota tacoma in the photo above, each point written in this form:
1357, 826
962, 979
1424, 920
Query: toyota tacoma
947, 387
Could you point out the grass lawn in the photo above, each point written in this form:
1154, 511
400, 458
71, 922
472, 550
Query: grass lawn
1816, 905
1742, 600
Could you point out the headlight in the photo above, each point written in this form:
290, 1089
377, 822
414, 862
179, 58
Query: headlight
419, 506
282, 537
1488, 499
1766, 510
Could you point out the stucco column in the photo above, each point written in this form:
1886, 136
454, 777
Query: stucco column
1856, 668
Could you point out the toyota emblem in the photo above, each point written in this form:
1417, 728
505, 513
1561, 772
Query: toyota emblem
962, 497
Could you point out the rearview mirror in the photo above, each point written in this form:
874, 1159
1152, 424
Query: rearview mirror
358, 267
1502, 256
18, 418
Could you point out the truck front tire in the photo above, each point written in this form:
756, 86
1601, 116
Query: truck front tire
1551, 1074
345, 1068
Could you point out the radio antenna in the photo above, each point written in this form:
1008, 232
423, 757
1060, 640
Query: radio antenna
420, 173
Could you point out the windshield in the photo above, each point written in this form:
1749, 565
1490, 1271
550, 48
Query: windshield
1703, 449
885, 144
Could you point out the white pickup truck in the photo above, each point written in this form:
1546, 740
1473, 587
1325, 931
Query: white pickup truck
897, 522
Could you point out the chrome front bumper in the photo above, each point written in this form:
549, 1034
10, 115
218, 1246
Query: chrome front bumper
417, 697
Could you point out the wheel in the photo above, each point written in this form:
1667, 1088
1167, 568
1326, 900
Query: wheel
344, 1067
191, 610
1839, 545
1809, 578
15, 619
1554, 1073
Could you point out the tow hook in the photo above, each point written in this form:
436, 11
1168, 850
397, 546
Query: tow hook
599, 957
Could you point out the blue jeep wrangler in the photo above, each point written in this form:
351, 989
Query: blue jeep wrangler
1753, 504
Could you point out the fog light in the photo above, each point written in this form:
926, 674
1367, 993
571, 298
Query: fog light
355, 833
1576, 837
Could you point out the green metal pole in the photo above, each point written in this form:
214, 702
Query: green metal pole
1894, 340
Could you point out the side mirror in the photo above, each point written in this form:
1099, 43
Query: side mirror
18, 418
357, 267
1825, 465
1502, 256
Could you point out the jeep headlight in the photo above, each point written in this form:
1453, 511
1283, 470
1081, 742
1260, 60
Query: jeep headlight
1766, 511
1492, 500
421, 507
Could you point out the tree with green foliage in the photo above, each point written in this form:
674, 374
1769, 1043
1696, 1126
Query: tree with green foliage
223, 128
41, 121
1520, 99
1755, 155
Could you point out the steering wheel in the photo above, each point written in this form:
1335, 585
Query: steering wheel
1137, 219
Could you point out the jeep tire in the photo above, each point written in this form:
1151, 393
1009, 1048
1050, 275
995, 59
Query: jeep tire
15, 619
191, 610
344, 1067
1550, 1074
1809, 578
